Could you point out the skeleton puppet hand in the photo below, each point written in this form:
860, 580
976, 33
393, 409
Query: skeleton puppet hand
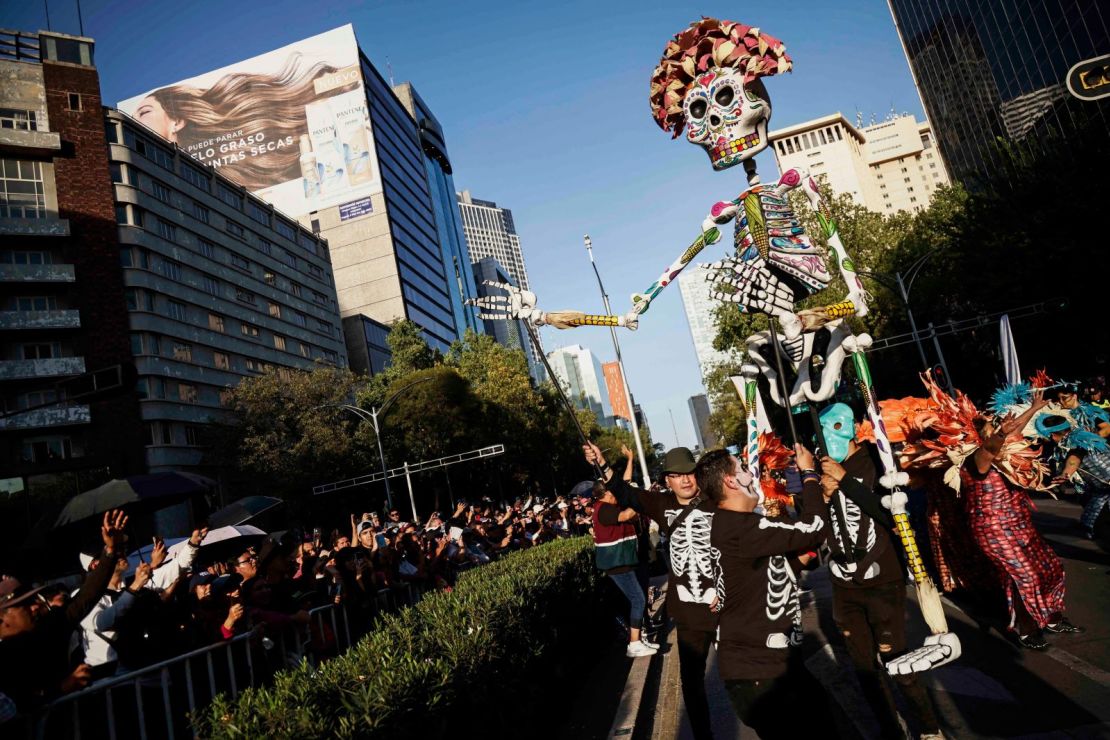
937, 650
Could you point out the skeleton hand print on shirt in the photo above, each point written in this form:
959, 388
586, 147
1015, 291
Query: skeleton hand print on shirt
691, 559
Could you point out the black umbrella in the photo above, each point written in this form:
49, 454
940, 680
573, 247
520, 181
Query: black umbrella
242, 511
157, 489
585, 488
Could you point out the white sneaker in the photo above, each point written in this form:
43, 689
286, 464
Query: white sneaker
639, 650
649, 643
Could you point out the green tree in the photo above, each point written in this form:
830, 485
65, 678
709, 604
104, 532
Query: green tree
288, 433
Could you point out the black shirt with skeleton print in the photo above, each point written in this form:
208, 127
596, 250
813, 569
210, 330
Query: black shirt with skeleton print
859, 536
691, 583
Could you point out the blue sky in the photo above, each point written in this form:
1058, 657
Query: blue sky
545, 110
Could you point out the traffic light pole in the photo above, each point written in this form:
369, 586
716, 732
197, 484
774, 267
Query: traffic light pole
940, 354
913, 324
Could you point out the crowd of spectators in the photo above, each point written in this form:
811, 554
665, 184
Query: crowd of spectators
125, 615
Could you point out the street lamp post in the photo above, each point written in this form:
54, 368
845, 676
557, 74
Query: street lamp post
620, 366
372, 415
905, 285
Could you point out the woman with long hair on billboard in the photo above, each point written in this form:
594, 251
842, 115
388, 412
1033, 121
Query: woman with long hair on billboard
266, 111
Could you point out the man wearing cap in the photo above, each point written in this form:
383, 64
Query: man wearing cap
34, 643
686, 518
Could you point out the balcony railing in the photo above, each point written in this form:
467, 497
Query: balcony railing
49, 417
52, 367
59, 319
36, 274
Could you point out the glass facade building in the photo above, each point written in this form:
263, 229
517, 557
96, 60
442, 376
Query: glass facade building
990, 70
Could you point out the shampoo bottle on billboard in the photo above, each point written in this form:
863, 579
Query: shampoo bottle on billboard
326, 145
352, 122
310, 170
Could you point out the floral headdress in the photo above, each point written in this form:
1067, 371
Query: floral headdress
706, 44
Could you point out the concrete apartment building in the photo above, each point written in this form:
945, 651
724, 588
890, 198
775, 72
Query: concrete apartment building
219, 287
490, 232
62, 310
887, 167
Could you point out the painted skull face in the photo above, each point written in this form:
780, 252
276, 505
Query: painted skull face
727, 117
839, 425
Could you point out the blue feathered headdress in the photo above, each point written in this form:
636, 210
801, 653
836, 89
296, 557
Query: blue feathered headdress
1008, 396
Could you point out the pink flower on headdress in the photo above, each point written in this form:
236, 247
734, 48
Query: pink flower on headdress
706, 44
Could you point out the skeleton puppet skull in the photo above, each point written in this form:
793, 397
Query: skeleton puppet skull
726, 116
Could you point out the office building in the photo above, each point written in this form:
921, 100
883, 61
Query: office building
62, 311
509, 333
349, 161
996, 70
490, 232
699, 414
887, 167
219, 286
580, 374
441, 184
701, 318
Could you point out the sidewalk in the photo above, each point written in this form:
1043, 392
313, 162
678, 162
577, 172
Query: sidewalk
994, 690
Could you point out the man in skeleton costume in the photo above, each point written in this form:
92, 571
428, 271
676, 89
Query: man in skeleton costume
756, 587
869, 595
686, 518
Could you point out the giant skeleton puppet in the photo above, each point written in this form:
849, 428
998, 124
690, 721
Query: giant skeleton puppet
709, 81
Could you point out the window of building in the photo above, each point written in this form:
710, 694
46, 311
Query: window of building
838, 136
41, 350
789, 147
229, 196
227, 397
200, 213
22, 193
159, 191
170, 269
258, 213
192, 435
125, 257
151, 151
903, 169
315, 226
176, 310
195, 177
279, 342
25, 257
285, 230
275, 310
913, 200
270, 278
244, 296
252, 365
216, 322
249, 330
323, 326
265, 246
73, 101
119, 173
316, 271
207, 248
187, 392
36, 303
182, 352
289, 258
166, 230
238, 260
300, 319
210, 285
236, 230
330, 356
221, 361
821, 135
319, 298
306, 350
19, 120
909, 189
905, 179
295, 288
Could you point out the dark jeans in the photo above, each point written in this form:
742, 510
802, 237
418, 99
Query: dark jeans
873, 621
788, 707
629, 585
693, 650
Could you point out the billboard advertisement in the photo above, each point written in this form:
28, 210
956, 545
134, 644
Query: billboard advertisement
291, 125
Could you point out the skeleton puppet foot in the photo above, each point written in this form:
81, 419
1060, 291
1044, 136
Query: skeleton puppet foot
937, 650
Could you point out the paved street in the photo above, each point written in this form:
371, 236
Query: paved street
994, 690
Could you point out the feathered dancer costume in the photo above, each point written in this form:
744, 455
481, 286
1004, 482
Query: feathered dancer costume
774, 457
943, 437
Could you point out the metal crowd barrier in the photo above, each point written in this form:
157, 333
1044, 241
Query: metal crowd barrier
157, 701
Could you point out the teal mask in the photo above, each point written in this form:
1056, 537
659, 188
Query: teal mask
839, 425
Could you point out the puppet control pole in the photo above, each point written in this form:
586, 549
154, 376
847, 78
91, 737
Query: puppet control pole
559, 388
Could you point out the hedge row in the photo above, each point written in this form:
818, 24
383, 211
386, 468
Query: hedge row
452, 653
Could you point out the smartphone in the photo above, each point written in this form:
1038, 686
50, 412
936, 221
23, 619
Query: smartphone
316, 536
381, 540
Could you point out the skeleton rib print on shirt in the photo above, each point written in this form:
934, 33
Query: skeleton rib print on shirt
844, 570
692, 563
